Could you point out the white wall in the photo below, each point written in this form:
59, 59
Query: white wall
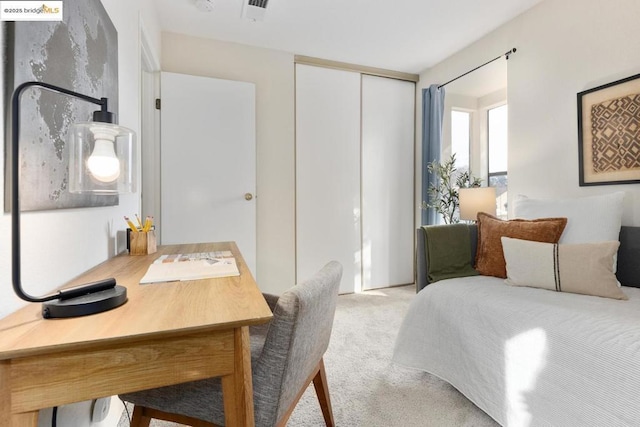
273, 74
564, 47
59, 245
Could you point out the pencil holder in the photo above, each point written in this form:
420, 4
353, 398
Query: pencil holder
142, 242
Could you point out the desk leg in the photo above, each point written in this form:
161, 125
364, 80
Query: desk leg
25, 420
29, 419
237, 389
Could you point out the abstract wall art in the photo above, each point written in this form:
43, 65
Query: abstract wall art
79, 53
609, 133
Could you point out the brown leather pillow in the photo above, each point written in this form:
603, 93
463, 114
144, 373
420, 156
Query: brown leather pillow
489, 257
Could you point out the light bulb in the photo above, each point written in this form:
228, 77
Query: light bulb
103, 163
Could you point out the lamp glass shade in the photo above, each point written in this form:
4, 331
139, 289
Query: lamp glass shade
477, 199
102, 159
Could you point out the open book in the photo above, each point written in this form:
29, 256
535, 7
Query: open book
194, 266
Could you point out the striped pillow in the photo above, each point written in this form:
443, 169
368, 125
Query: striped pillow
584, 268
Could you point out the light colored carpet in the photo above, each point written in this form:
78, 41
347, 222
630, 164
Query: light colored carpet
366, 388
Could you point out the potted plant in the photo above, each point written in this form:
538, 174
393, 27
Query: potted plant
444, 196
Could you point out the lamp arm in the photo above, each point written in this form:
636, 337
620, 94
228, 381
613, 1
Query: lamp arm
18, 92
15, 197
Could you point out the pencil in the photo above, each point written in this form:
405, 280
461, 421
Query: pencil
131, 224
148, 222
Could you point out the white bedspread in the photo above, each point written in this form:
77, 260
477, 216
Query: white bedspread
529, 357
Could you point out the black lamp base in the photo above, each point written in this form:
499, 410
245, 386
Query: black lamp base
85, 305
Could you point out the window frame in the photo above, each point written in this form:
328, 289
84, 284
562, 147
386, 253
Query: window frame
470, 114
498, 173
502, 173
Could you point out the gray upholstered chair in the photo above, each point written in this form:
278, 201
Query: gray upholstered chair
286, 356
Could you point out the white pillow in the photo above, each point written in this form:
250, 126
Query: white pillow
583, 268
589, 219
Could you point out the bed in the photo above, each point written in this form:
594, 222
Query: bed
532, 357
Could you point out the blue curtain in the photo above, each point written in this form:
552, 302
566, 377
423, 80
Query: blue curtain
432, 114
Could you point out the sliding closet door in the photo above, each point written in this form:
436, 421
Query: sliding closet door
387, 181
328, 173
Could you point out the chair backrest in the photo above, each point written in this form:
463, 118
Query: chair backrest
297, 339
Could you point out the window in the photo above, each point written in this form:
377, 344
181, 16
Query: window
480, 146
460, 139
497, 154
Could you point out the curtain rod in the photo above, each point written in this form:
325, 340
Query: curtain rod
506, 56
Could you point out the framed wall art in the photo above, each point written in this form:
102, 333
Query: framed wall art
79, 53
609, 133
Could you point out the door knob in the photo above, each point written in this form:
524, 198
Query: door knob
248, 196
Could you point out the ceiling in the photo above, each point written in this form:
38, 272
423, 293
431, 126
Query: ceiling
400, 35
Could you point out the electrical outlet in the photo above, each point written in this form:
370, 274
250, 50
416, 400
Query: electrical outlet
100, 409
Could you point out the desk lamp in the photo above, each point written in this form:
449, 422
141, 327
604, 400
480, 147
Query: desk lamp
476, 199
107, 168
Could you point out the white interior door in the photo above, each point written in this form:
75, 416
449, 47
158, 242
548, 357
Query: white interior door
208, 162
387, 181
328, 172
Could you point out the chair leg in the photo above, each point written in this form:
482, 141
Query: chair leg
322, 390
142, 416
319, 380
139, 419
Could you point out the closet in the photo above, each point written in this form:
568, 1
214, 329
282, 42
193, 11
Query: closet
355, 176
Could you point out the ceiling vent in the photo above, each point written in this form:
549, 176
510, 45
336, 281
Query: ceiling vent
254, 9
204, 5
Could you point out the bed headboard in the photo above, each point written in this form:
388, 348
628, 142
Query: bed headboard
628, 272
629, 257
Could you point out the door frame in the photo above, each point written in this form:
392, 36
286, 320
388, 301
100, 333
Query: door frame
150, 133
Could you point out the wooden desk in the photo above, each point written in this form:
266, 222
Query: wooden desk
165, 334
